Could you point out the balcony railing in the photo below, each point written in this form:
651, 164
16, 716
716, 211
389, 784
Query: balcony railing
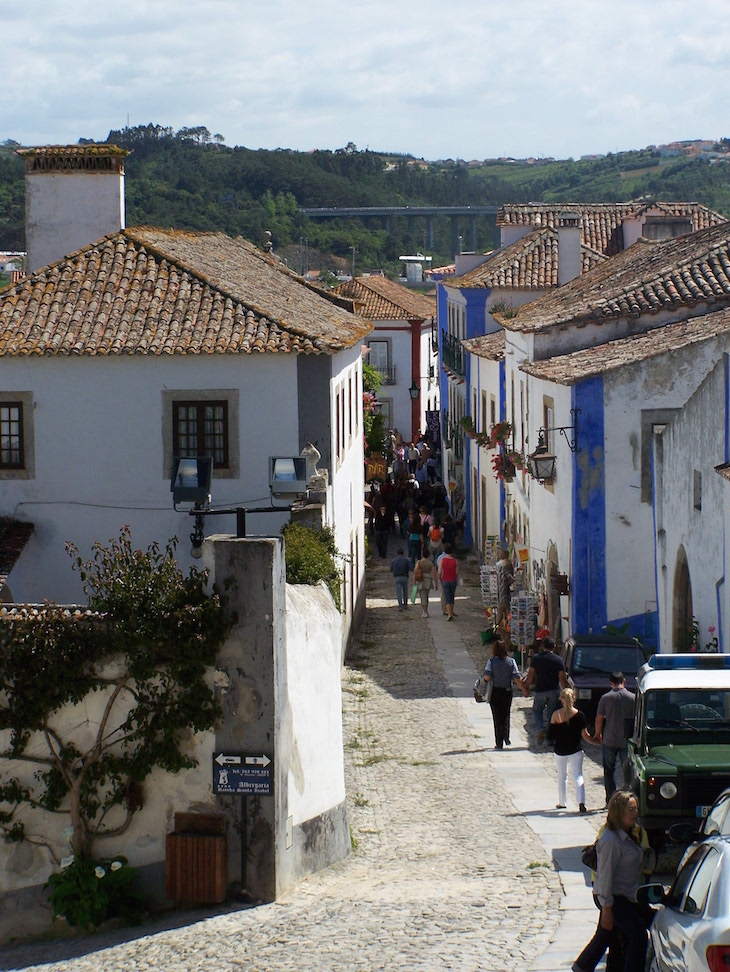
387, 373
453, 355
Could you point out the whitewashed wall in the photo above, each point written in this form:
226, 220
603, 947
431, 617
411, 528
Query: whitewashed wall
98, 436
664, 381
694, 442
346, 509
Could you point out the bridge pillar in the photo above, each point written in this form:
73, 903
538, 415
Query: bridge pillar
429, 232
454, 234
473, 229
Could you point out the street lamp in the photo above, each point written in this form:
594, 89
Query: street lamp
415, 390
542, 461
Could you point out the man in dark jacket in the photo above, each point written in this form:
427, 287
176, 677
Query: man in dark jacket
614, 708
400, 568
547, 673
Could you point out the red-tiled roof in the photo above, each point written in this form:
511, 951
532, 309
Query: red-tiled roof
645, 279
567, 369
530, 263
380, 299
487, 346
14, 534
601, 223
151, 291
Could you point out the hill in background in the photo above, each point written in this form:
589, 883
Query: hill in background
190, 179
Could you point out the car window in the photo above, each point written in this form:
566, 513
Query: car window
713, 823
676, 894
605, 659
694, 903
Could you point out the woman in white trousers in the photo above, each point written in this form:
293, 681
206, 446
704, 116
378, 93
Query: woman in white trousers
567, 728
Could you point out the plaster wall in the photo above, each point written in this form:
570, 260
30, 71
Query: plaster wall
99, 431
663, 382
278, 680
486, 518
692, 444
563, 340
66, 211
346, 496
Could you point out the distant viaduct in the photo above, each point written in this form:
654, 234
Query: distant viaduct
410, 213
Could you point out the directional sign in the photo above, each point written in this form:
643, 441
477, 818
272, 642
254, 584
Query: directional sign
242, 773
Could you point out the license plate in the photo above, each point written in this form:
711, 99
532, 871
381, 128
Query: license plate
703, 811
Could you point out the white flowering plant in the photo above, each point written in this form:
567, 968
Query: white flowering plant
87, 892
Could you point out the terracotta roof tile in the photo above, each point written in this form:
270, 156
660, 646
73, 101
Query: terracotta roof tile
151, 291
14, 534
530, 263
567, 369
601, 223
647, 278
487, 346
380, 299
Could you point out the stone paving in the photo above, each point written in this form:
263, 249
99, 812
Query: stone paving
459, 861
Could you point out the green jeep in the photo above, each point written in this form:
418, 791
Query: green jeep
679, 754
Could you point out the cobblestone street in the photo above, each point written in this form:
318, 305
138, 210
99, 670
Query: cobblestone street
447, 871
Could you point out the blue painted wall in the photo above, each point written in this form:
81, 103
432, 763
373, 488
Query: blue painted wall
588, 569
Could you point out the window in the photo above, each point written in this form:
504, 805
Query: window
653, 421
697, 490
198, 422
17, 454
11, 436
201, 429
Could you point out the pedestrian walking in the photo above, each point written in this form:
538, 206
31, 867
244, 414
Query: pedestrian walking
425, 576
400, 568
413, 533
448, 575
619, 871
566, 730
614, 709
505, 582
547, 674
501, 669
382, 528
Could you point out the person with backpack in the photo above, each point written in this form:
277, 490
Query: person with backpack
435, 540
501, 670
425, 577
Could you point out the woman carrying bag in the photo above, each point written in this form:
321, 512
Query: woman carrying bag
619, 870
501, 670
425, 576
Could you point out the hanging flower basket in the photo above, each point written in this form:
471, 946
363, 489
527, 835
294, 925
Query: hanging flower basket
506, 464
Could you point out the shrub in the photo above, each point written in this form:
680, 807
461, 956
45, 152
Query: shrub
87, 893
310, 557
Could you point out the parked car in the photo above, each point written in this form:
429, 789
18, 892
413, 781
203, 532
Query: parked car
590, 659
716, 822
691, 928
679, 752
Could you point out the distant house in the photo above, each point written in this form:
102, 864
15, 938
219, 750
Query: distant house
148, 344
401, 349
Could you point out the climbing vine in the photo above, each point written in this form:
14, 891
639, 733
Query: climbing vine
137, 657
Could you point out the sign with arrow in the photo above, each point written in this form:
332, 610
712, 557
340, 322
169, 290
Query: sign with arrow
244, 774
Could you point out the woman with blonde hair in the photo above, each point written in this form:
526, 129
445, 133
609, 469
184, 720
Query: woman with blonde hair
567, 728
621, 859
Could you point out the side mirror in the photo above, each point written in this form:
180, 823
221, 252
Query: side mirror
651, 894
684, 833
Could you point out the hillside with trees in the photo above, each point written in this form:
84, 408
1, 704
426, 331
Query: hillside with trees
191, 179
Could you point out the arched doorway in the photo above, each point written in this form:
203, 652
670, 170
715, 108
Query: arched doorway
682, 612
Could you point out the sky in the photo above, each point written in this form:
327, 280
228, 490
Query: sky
470, 79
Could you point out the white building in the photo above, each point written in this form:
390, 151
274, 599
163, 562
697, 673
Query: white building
691, 510
608, 359
401, 349
150, 344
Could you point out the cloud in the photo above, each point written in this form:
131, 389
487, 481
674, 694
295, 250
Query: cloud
564, 77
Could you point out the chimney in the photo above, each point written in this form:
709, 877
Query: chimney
569, 259
74, 195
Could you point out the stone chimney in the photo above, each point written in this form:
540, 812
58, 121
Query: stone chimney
74, 195
569, 258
